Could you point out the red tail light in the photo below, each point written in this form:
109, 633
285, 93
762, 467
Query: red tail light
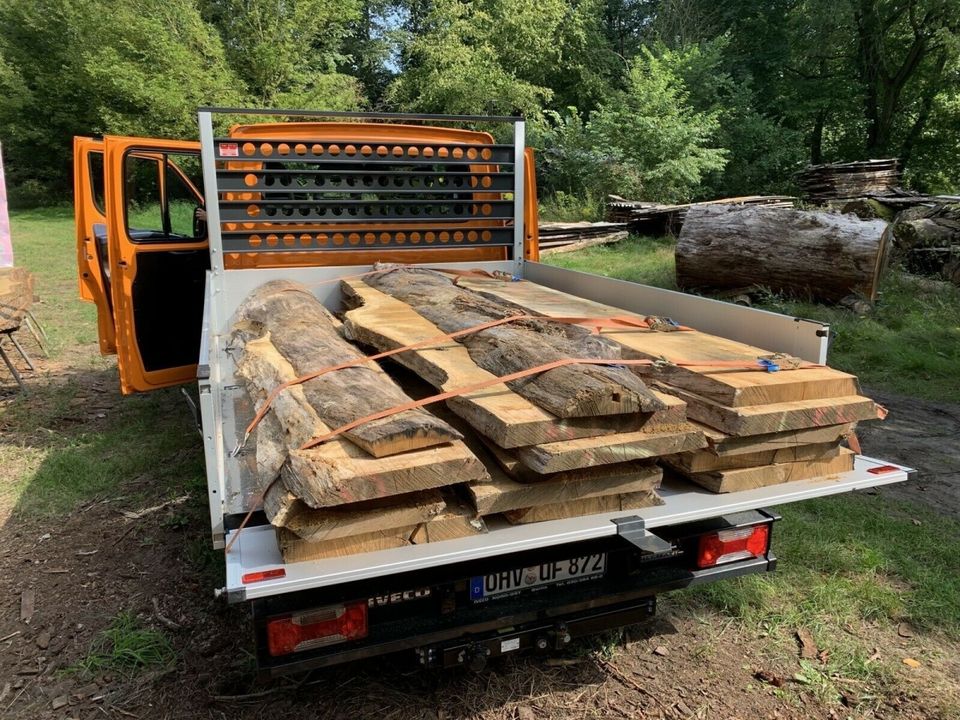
730, 545
317, 628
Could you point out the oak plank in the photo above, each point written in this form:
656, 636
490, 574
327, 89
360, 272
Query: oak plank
584, 506
329, 523
722, 444
589, 452
723, 481
765, 419
705, 461
296, 549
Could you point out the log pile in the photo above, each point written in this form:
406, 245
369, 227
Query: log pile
569, 237
574, 439
810, 255
926, 229
822, 184
646, 218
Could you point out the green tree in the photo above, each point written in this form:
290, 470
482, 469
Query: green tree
287, 53
145, 73
660, 144
454, 66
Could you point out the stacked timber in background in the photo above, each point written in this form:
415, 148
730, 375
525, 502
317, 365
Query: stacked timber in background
810, 255
822, 184
761, 428
382, 484
569, 237
646, 218
926, 229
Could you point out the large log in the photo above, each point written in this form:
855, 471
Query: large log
302, 330
568, 391
806, 254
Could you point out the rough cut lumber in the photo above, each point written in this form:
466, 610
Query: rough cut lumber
337, 471
553, 248
723, 445
835, 181
302, 331
456, 521
568, 391
806, 254
584, 506
731, 387
589, 452
357, 518
764, 419
296, 549
321, 482
749, 478
502, 493
705, 461
497, 412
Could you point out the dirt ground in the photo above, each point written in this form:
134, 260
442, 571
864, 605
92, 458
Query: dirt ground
85, 567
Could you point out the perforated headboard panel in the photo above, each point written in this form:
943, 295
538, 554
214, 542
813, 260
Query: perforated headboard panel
341, 194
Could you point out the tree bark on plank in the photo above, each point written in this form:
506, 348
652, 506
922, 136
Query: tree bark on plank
302, 330
569, 391
805, 254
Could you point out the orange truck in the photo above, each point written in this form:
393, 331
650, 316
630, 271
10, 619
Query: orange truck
173, 235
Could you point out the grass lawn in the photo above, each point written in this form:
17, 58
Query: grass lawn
43, 449
848, 564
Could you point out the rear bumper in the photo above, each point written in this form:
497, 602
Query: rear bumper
540, 624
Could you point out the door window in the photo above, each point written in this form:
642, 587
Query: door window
161, 196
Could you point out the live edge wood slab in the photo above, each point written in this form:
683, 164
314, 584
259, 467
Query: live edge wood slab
497, 412
726, 386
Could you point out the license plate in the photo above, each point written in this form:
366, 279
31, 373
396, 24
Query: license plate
562, 572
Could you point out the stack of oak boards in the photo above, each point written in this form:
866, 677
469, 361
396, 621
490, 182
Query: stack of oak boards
382, 484
573, 440
761, 428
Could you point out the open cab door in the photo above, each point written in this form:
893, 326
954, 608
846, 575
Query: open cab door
89, 208
156, 259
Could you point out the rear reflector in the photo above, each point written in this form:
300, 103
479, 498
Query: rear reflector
263, 575
882, 469
317, 628
730, 545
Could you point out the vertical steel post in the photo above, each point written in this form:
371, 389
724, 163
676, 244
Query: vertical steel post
519, 130
208, 159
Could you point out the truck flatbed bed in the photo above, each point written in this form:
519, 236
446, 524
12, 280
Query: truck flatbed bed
256, 550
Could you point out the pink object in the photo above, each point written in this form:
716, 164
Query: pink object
6, 245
